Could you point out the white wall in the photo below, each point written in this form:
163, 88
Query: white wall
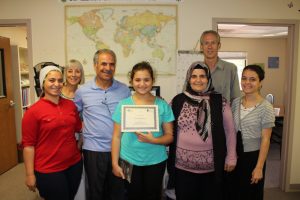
17, 35
258, 51
195, 16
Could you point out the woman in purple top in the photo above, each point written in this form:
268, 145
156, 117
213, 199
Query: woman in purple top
204, 138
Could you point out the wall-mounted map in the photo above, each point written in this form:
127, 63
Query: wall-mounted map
135, 32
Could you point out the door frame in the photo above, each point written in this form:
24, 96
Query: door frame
27, 23
24, 23
289, 92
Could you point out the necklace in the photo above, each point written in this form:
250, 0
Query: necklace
248, 108
251, 104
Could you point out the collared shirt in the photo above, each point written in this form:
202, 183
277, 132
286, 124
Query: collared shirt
97, 106
225, 80
50, 128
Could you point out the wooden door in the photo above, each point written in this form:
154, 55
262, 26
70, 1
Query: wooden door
8, 142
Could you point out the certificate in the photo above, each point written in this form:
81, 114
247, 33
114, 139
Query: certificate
139, 118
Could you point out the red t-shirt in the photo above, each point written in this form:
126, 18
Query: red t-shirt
50, 129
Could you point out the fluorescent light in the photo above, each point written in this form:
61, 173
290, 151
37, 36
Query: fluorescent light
281, 33
230, 26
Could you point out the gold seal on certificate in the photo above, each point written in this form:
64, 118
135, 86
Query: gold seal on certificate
139, 118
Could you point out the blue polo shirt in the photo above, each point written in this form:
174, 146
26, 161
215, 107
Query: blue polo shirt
97, 107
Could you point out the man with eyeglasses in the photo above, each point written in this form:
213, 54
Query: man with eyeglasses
96, 100
224, 74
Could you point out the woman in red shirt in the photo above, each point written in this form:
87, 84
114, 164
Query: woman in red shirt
52, 160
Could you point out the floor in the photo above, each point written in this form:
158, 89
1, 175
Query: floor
272, 191
273, 166
12, 185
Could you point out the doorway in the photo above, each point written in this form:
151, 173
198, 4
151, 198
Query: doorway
25, 24
11, 29
289, 89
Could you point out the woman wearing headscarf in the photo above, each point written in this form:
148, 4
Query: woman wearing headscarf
52, 160
204, 138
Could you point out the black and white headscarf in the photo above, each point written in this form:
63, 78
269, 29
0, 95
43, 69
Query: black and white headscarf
203, 121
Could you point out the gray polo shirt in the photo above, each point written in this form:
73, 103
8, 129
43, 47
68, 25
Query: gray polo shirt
225, 80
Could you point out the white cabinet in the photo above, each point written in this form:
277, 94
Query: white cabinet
21, 85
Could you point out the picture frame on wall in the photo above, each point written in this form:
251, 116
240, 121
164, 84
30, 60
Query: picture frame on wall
273, 62
155, 90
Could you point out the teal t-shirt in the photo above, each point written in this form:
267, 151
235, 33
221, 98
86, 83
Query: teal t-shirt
141, 153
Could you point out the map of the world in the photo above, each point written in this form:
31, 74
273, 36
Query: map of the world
134, 32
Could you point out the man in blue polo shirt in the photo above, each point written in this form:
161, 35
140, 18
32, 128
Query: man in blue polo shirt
96, 100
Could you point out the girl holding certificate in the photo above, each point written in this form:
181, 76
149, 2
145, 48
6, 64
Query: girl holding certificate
144, 151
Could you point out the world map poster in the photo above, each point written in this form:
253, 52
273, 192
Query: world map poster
134, 32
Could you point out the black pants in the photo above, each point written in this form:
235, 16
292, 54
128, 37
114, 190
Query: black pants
102, 184
230, 185
146, 182
192, 186
61, 185
245, 166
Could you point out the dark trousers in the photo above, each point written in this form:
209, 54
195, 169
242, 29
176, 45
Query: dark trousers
102, 184
194, 186
245, 166
61, 185
230, 185
146, 182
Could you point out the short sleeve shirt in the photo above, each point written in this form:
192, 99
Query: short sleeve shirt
141, 153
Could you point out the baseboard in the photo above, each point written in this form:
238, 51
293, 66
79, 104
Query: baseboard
294, 187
